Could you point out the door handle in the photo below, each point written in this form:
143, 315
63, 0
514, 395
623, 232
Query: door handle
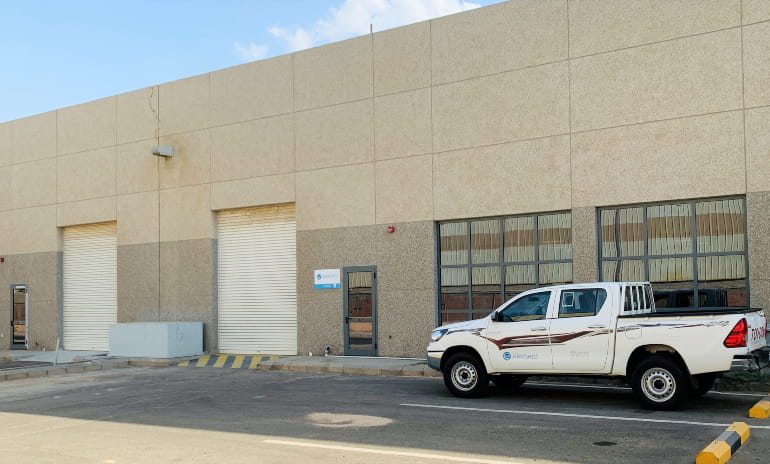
538, 329
597, 326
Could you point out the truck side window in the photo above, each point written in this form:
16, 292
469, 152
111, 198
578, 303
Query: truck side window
582, 302
527, 308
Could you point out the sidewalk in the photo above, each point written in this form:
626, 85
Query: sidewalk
412, 367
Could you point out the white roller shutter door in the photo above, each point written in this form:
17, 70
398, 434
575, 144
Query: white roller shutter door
90, 286
257, 267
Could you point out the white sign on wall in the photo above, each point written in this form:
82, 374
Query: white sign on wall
327, 278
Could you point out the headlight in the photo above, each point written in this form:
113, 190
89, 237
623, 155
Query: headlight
437, 334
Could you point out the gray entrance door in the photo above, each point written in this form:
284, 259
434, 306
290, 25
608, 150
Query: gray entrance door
19, 317
360, 310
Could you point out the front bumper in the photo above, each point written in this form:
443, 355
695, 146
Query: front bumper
434, 359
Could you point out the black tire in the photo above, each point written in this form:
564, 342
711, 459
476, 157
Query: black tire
465, 376
659, 382
508, 381
702, 383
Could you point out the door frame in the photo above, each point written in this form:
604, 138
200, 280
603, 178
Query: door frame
345, 311
20, 346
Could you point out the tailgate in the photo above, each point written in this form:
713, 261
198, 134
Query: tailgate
757, 330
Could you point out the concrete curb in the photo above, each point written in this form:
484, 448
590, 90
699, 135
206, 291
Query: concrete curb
725, 446
761, 410
68, 368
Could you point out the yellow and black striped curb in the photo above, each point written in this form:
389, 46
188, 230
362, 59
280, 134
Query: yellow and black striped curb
229, 361
725, 446
761, 410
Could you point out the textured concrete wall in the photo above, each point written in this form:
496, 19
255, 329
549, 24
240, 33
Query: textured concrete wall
188, 285
139, 283
39, 272
757, 206
584, 243
405, 279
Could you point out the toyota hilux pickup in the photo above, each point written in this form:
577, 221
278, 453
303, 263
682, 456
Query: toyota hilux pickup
598, 329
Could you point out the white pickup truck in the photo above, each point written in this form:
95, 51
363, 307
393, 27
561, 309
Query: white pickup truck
603, 328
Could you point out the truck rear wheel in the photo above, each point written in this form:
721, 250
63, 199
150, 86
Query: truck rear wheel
465, 376
660, 383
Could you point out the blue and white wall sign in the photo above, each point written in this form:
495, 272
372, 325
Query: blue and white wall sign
327, 278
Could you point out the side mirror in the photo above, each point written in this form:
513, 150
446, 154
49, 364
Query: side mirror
496, 316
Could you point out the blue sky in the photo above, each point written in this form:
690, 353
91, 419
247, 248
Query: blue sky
58, 53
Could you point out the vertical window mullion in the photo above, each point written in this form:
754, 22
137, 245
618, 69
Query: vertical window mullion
536, 241
469, 267
618, 248
501, 260
745, 251
694, 245
646, 251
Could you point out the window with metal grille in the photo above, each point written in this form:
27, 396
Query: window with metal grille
693, 252
484, 262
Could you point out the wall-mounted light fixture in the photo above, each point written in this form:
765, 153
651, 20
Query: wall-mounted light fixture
166, 151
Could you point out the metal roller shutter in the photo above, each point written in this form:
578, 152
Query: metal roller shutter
90, 286
258, 280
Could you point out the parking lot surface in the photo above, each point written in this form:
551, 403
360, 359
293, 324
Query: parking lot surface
232, 415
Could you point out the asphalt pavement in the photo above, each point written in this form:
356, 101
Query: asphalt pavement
208, 415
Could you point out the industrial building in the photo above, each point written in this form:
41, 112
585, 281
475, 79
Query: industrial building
355, 195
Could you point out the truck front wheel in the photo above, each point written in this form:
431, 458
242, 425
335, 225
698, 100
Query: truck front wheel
660, 383
465, 376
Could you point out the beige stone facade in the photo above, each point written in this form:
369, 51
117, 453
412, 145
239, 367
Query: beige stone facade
516, 108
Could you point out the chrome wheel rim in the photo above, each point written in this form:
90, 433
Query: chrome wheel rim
464, 376
658, 385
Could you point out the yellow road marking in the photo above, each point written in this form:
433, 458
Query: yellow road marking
202, 361
255, 361
238, 361
221, 360
184, 363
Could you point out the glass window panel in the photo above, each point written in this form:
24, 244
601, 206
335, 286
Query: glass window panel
720, 226
519, 239
582, 302
725, 293
554, 235
485, 241
672, 295
630, 239
486, 288
449, 318
454, 301
454, 277
609, 247
623, 271
519, 279
454, 243
527, 308
721, 267
555, 273
454, 288
669, 229
671, 270
520, 275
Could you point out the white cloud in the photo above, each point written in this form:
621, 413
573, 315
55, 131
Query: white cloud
250, 52
353, 18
